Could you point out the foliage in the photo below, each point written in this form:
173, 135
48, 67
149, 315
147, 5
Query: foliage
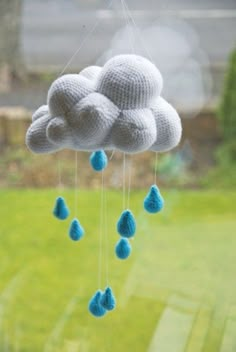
227, 111
226, 153
221, 177
173, 168
224, 174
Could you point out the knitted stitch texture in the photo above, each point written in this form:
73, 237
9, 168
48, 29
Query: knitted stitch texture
108, 300
153, 202
126, 225
61, 210
117, 106
123, 249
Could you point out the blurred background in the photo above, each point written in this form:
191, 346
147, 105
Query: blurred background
177, 291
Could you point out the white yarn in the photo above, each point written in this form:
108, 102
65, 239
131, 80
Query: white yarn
117, 106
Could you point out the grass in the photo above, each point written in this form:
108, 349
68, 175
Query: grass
177, 293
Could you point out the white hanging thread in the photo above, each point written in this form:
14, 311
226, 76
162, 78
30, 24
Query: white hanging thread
112, 154
129, 25
124, 180
100, 256
129, 181
126, 190
89, 33
106, 235
103, 231
155, 170
59, 178
76, 183
139, 36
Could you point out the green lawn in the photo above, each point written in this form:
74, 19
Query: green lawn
176, 293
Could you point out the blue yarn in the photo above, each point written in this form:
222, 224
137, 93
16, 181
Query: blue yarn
153, 203
76, 231
61, 210
126, 225
123, 248
108, 300
95, 306
98, 160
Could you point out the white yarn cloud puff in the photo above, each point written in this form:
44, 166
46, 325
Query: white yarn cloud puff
117, 106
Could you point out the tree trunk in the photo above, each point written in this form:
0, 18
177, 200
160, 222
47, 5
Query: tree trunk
11, 64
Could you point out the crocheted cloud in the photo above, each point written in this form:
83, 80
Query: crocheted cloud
115, 107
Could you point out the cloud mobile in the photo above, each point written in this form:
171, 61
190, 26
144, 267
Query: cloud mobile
117, 107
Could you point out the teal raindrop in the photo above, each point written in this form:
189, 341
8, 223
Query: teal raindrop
98, 160
126, 225
123, 248
108, 300
61, 210
153, 203
95, 306
76, 231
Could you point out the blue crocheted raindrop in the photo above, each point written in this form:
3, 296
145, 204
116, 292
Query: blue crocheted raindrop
126, 225
98, 160
95, 306
123, 248
61, 210
108, 300
76, 231
153, 202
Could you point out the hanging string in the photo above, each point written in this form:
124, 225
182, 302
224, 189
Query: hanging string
155, 168
112, 154
124, 179
106, 236
90, 32
139, 36
129, 181
59, 178
76, 183
100, 256
129, 26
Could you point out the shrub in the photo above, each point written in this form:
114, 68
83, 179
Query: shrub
224, 174
227, 114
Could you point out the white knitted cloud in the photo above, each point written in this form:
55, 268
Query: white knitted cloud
114, 107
